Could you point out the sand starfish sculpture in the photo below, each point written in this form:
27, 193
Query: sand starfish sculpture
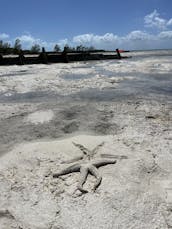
86, 165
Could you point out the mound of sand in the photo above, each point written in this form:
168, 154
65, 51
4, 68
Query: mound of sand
134, 193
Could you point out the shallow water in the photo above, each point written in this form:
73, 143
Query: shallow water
152, 83
151, 72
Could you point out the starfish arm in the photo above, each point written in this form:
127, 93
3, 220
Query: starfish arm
82, 148
72, 160
83, 177
94, 151
70, 169
103, 162
94, 171
113, 156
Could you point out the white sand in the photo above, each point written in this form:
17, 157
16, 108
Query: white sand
40, 117
135, 192
41, 78
45, 78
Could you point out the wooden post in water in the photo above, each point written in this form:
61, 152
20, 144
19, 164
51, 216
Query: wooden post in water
118, 54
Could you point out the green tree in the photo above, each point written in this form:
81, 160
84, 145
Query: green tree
91, 48
67, 48
35, 48
5, 47
17, 46
1, 43
80, 48
1, 46
57, 48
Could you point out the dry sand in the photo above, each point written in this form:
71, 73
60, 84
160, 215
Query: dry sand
40, 117
44, 111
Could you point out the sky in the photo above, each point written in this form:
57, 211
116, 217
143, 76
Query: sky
104, 24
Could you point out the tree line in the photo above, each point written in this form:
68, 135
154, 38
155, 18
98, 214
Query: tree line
6, 48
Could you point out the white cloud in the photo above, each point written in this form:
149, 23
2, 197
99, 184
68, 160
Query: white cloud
169, 23
100, 41
138, 35
136, 39
28, 41
84, 38
153, 20
91, 38
63, 42
4, 36
165, 35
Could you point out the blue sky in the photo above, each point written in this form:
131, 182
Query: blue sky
129, 24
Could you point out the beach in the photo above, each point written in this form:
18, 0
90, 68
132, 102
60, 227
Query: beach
123, 105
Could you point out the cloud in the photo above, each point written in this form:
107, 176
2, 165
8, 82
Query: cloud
63, 42
91, 38
4, 36
134, 40
153, 20
99, 41
138, 35
28, 41
169, 23
165, 35
137, 39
